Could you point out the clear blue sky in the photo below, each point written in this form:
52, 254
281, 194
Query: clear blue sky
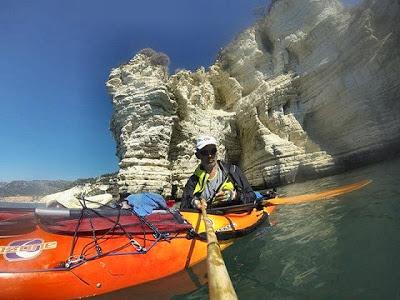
55, 57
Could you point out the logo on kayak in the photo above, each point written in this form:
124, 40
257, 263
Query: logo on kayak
227, 227
25, 249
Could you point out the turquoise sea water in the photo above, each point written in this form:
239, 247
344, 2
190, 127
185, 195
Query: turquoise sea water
345, 248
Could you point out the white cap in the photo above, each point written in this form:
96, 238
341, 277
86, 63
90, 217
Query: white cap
204, 141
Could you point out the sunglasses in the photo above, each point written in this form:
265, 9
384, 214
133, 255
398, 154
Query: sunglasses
205, 152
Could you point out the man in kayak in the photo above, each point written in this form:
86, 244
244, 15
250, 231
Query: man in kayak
217, 182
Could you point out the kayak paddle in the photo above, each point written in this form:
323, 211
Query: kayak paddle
219, 283
318, 195
323, 195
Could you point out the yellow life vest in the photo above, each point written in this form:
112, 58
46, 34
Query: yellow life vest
203, 176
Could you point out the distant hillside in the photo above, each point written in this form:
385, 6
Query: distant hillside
33, 188
39, 188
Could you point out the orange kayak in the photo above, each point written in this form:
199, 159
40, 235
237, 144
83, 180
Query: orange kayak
65, 254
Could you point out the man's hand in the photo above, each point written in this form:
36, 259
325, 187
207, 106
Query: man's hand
225, 195
197, 203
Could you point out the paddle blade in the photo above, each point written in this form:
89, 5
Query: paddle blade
319, 195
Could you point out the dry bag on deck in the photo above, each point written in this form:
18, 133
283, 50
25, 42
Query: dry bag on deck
144, 203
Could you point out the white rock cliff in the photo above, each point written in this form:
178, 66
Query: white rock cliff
311, 89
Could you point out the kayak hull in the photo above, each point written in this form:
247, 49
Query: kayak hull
43, 274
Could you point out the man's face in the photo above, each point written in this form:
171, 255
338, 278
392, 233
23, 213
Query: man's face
207, 156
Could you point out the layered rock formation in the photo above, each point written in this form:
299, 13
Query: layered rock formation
309, 90
142, 122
